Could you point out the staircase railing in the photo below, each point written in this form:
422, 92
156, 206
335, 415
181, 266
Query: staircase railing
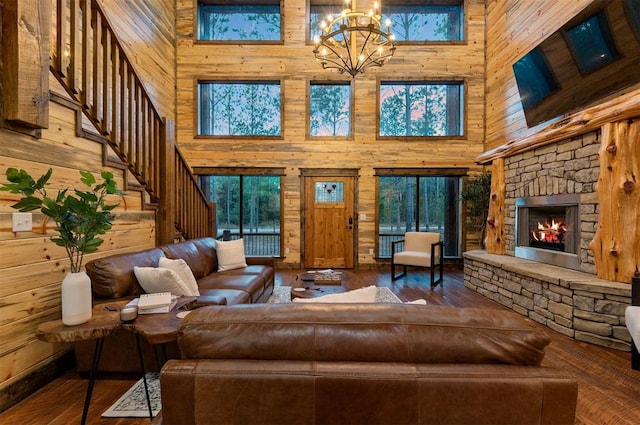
92, 66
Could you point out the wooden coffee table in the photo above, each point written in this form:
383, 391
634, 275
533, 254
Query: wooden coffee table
312, 284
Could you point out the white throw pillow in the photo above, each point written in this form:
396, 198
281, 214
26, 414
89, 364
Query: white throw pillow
182, 269
155, 280
230, 255
362, 295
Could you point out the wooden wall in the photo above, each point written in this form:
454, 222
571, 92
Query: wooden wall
31, 267
293, 62
513, 28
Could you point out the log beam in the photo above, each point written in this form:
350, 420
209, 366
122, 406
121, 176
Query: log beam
26, 33
616, 245
495, 242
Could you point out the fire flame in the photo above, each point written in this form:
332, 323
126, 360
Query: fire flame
550, 232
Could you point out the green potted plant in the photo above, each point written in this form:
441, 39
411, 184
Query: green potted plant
475, 195
81, 216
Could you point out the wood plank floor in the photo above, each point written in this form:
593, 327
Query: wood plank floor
609, 390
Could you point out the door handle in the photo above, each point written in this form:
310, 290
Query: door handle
350, 223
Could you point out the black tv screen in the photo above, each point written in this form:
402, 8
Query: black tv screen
534, 78
592, 44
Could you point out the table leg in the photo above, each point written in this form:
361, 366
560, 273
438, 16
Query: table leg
97, 352
144, 375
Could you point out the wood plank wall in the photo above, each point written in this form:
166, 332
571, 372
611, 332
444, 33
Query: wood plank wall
513, 28
31, 267
294, 64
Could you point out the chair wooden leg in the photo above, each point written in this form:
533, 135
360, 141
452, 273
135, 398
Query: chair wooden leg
635, 357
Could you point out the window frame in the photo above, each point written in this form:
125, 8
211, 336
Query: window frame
433, 80
340, 4
196, 20
417, 173
196, 124
202, 172
311, 82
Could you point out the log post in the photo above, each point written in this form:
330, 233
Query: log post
495, 243
26, 34
616, 244
167, 211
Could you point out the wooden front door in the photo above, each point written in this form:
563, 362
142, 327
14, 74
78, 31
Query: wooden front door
329, 222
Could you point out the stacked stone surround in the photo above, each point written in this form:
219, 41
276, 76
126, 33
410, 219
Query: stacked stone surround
573, 303
570, 167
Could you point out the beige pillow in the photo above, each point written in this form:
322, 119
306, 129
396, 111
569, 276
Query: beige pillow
155, 280
362, 295
230, 255
182, 269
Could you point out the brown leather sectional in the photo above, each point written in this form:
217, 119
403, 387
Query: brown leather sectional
362, 364
112, 278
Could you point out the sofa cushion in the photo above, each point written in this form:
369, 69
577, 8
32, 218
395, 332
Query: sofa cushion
252, 284
113, 277
265, 273
207, 249
189, 252
180, 267
232, 296
230, 255
362, 333
159, 279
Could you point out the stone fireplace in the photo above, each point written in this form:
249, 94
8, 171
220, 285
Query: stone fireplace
548, 229
548, 272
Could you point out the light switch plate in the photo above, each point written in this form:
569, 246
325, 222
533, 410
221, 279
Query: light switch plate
22, 222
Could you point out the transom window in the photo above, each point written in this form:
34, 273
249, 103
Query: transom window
434, 22
409, 22
228, 108
421, 109
248, 207
426, 203
239, 22
330, 109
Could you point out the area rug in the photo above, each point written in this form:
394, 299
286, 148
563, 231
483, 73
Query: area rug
282, 295
133, 404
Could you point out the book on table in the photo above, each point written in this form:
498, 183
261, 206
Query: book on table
161, 302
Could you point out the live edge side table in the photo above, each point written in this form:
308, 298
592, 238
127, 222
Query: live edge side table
154, 328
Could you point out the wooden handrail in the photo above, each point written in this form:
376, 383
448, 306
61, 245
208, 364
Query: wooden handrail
94, 69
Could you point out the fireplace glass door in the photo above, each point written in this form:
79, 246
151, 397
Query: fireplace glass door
548, 229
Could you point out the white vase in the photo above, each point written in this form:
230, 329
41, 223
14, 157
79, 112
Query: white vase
76, 298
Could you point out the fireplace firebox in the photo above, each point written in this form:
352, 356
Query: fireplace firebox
548, 229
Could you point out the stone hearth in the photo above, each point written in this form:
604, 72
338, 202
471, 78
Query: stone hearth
576, 304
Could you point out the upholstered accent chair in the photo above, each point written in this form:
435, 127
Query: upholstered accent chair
418, 249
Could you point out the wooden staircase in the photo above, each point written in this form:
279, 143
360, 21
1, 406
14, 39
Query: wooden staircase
90, 63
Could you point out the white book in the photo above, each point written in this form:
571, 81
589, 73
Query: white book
162, 302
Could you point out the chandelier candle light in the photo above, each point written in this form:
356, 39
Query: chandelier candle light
354, 41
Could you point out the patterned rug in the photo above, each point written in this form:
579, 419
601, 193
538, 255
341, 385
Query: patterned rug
282, 295
133, 404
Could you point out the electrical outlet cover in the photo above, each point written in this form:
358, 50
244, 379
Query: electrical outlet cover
22, 222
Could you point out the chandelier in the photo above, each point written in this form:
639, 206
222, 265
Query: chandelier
353, 41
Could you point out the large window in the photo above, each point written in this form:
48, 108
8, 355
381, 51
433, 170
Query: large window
418, 203
330, 109
421, 109
425, 23
228, 108
248, 207
239, 22
318, 11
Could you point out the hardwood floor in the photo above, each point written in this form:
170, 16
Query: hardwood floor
608, 389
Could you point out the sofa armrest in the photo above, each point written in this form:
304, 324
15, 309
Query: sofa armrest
260, 261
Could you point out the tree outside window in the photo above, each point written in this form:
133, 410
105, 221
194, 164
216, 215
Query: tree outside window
239, 108
330, 109
421, 109
425, 23
248, 207
225, 22
418, 203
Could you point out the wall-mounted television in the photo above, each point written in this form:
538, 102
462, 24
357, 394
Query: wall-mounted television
594, 55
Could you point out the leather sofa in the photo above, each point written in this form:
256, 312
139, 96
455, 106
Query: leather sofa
112, 278
362, 364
